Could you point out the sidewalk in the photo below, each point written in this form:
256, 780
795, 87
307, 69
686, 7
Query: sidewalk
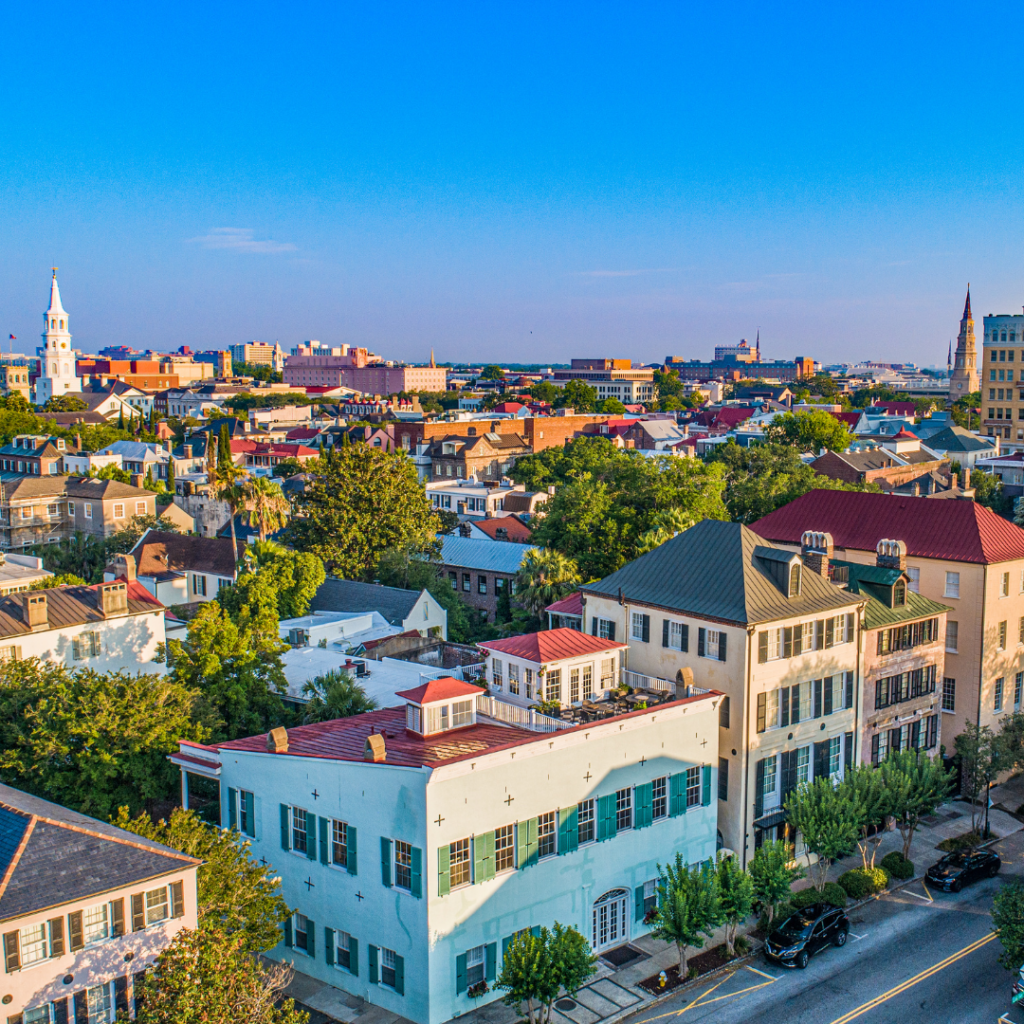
613, 992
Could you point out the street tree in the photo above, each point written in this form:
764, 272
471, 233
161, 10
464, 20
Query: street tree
536, 969
736, 893
867, 785
981, 759
206, 976
236, 894
1008, 921
809, 431
773, 873
915, 784
335, 694
358, 502
829, 819
689, 906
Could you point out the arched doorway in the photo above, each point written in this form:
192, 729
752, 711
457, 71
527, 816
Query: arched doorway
611, 919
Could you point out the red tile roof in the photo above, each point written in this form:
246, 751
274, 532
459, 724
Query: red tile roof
961, 531
571, 605
445, 688
551, 645
518, 531
301, 434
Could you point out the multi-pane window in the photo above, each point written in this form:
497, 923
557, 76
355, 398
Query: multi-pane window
771, 713
623, 809
403, 864
1004, 589
835, 746
948, 694
1020, 631
339, 843
574, 685
86, 645
952, 585
300, 925
528, 682
606, 629
767, 783
474, 966
388, 962
504, 848
343, 950
467, 582
513, 678
34, 946
462, 713
299, 834
997, 702
803, 764
650, 895
481, 584
607, 673
585, 822
496, 673
637, 631
1018, 684
246, 813
37, 1015
676, 635
914, 575
98, 1000
588, 682
693, 786
94, 924
952, 637
711, 644
912, 634
458, 863
156, 905
1002, 635
546, 828
659, 797
553, 685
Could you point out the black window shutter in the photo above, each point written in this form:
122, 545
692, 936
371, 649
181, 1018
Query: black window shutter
593, 625
787, 642
874, 749
81, 1007
723, 714
848, 696
723, 778
646, 619
878, 695
828, 688
686, 637
762, 711
788, 773
933, 731
794, 703
847, 751
611, 631
784, 706
817, 698
701, 634
664, 632
762, 646
759, 789
821, 759
722, 638
60, 1011
121, 993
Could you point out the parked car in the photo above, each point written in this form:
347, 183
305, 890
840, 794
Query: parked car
956, 870
805, 933
1018, 988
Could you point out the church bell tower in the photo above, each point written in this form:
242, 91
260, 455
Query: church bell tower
56, 357
964, 378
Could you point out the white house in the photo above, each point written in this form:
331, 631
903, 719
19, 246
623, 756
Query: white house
415, 842
19, 572
562, 665
109, 627
409, 609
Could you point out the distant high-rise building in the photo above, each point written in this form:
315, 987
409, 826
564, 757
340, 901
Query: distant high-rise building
964, 378
259, 353
56, 358
1002, 379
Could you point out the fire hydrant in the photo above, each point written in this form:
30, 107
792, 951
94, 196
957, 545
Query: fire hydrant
662, 979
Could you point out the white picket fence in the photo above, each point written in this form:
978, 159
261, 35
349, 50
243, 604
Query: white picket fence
638, 681
513, 714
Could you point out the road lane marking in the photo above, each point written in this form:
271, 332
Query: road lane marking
856, 936
763, 975
703, 1000
911, 982
928, 898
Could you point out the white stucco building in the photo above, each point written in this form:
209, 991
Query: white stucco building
56, 357
416, 841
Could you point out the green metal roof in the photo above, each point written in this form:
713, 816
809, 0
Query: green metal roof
873, 582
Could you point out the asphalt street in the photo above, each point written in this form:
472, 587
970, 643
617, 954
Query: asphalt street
912, 956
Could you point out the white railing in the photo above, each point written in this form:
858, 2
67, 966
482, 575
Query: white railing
513, 714
638, 681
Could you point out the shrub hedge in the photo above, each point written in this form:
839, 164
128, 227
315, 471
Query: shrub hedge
898, 866
859, 882
833, 894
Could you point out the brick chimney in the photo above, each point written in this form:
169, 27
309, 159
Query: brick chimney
122, 565
891, 554
137, 480
113, 599
816, 549
36, 610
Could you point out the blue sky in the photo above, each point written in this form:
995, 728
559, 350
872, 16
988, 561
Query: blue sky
512, 182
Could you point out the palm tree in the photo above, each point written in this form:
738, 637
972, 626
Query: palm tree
225, 484
335, 694
544, 577
265, 505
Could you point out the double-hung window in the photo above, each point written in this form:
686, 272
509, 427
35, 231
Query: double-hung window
513, 678
693, 786
574, 685
546, 834
711, 644
34, 944
948, 694
458, 863
94, 924
99, 1003
803, 762
403, 864
553, 685
952, 585
623, 809
157, 908
588, 682
504, 848
474, 966
767, 782
339, 843
343, 950
606, 629
640, 627
607, 673
675, 635
300, 926
388, 963
585, 822
659, 798
997, 703
496, 673
247, 813
834, 753
300, 836
462, 713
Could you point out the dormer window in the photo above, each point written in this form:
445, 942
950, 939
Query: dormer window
794, 579
899, 594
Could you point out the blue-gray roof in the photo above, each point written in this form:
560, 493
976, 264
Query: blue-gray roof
136, 451
337, 595
486, 555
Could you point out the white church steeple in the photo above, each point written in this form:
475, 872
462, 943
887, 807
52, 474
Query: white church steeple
56, 357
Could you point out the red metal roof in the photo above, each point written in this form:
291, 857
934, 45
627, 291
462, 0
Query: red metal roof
445, 688
851, 419
518, 531
240, 445
571, 605
904, 435
551, 645
961, 531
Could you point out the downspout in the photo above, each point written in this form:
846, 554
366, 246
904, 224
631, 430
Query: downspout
981, 681
745, 744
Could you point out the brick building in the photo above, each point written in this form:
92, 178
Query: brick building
488, 457
481, 569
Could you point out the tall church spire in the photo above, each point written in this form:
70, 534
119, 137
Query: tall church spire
55, 306
967, 304
964, 379
56, 357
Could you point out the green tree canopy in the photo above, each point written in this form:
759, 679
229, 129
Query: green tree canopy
1008, 921
89, 740
611, 407
829, 819
545, 577
689, 906
237, 895
492, 372
359, 502
67, 579
576, 395
736, 893
113, 472
544, 391
809, 431
335, 694
265, 506
65, 403
772, 876
293, 577
867, 785
914, 784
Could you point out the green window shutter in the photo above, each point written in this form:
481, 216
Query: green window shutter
606, 817
311, 937
385, 861
460, 974
352, 849
505, 943
535, 931
521, 851
400, 974
417, 872
324, 829
532, 843
257, 818
286, 836
490, 961
705, 793
329, 944
677, 793
373, 965
353, 956
762, 647
232, 808
311, 836
638, 903
644, 805
483, 857
568, 830
444, 860
288, 932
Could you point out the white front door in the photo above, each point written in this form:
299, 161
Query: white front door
611, 923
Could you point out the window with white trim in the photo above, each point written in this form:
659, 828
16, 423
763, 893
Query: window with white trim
496, 673
675, 636
952, 636
300, 835
300, 931
388, 961
585, 822
343, 950
339, 843
88, 510
659, 798
34, 944
711, 643
403, 864
474, 966
504, 848
119, 510
546, 834
99, 1003
952, 585
914, 575
94, 924
513, 678
693, 786
157, 907
623, 809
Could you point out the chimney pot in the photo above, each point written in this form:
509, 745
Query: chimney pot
36, 609
684, 680
816, 549
113, 599
891, 554
188, 451
375, 749
277, 740
122, 565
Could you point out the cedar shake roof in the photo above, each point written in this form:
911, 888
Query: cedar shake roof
571, 605
445, 688
958, 531
344, 739
69, 606
158, 552
552, 645
722, 572
50, 855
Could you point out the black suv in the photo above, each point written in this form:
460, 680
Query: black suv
805, 933
956, 870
